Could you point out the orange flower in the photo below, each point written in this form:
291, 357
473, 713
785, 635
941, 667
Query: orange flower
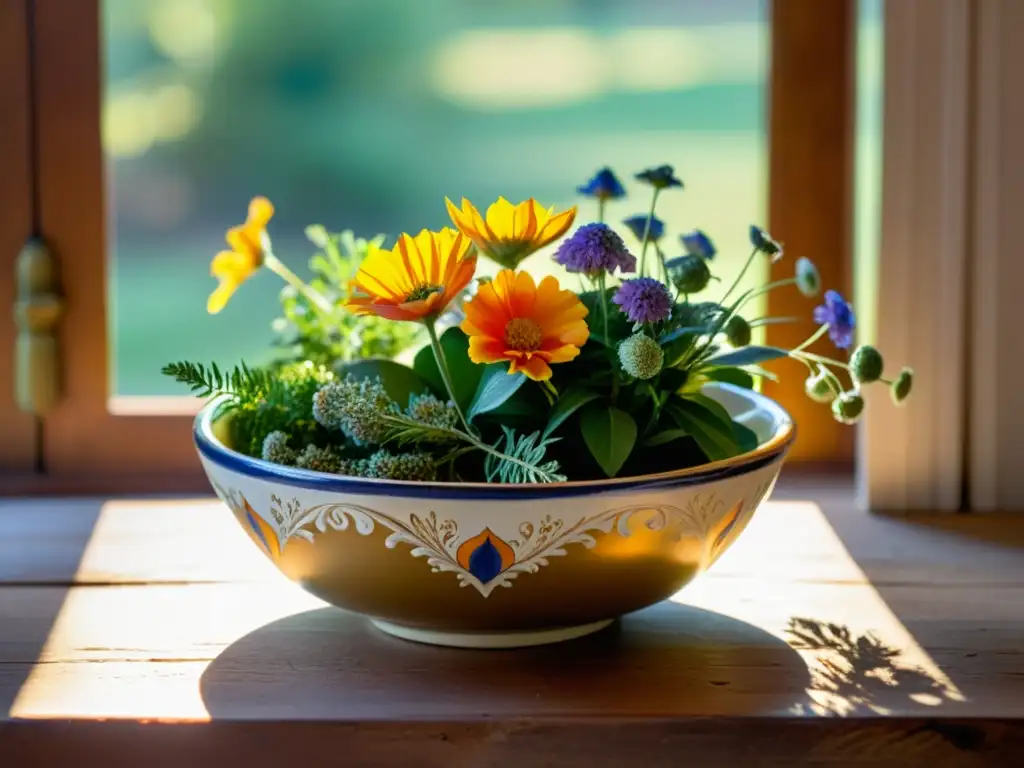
417, 280
510, 233
512, 318
234, 267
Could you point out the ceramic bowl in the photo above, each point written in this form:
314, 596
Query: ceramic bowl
487, 565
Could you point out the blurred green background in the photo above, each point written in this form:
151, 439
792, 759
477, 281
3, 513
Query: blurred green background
364, 114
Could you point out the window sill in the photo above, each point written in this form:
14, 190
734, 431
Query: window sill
161, 610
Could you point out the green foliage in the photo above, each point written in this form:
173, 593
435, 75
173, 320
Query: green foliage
521, 460
747, 356
735, 376
570, 402
239, 384
399, 381
495, 388
306, 332
465, 373
610, 435
710, 425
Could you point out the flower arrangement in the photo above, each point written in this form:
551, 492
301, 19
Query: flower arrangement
516, 380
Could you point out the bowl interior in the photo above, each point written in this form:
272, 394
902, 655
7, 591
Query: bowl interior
769, 422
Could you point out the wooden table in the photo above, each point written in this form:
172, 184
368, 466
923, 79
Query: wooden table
152, 633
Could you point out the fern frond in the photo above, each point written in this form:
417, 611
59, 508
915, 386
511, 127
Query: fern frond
241, 383
520, 459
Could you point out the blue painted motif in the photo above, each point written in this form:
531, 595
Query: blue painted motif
485, 561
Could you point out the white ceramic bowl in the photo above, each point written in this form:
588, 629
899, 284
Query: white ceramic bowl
487, 565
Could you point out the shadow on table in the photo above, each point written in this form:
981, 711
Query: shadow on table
972, 566
861, 675
668, 660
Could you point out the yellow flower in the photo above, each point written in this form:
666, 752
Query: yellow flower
512, 318
510, 233
234, 267
416, 280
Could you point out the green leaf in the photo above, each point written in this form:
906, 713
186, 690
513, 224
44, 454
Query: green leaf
746, 437
736, 376
610, 435
764, 373
464, 372
399, 380
665, 436
678, 333
570, 402
746, 356
714, 436
712, 405
496, 386
672, 379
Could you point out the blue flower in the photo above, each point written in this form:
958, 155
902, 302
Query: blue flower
594, 249
638, 222
697, 243
604, 185
764, 243
644, 300
838, 314
660, 177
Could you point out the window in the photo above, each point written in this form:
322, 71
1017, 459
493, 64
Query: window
157, 119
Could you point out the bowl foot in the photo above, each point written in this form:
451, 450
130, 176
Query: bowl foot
490, 639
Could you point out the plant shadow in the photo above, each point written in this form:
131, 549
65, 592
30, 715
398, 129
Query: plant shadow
856, 675
668, 660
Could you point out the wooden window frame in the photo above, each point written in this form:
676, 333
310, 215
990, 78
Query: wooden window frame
91, 447
18, 438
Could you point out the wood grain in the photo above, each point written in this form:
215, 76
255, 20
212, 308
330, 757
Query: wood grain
810, 131
122, 609
859, 639
18, 442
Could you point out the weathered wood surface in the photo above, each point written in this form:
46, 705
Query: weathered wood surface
824, 633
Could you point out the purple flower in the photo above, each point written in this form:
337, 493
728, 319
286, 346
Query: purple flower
644, 300
764, 243
593, 249
697, 243
637, 224
838, 314
660, 177
604, 186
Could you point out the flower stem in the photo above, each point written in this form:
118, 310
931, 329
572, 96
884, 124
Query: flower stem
647, 233
600, 209
664, 267
826, 361
446, 377
278, 267
773, 321
601, 286
739, 277
770, 287
812, 338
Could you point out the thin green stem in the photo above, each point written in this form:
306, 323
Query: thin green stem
465, 436
446, 377
664, 267
647, 233
601, 286
812, 338
827, 361
600, 209
739, 277
773, 321
771, 287
278, 267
